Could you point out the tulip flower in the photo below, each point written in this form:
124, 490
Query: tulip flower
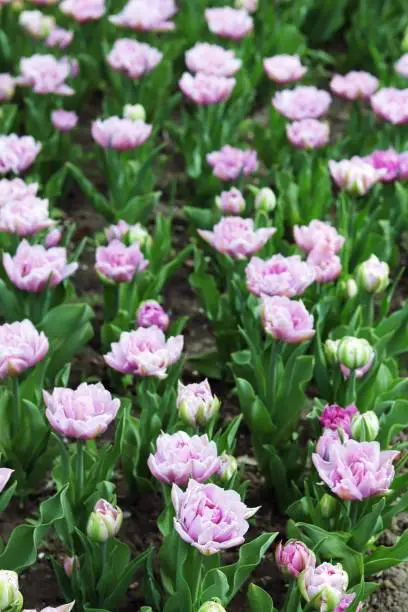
229, 163
210, 518
151, 313
120, 134
355, 85
228, 467
83, 413
227, 22
391, 104
237, 237
356, 470
373, 275
64, 121
365, 426
145, 352
284, 68
388, 160
21, 347
119, 263
10, 596
128, 233
46, 74
401, 66
142, 16
212, 606
325, 264
17, 153
308, 134
83, 10
16, 189
206, 89
323, 586
179, 457
279, 275
265, 200
133, 58
231, 202
335, 417
7, 87
286, 320
307, 237
355, 175
302, 103
354, 353
63, 608
212, 59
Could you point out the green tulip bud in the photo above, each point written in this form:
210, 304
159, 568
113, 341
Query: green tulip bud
135, 112
351, 288
138, 233
265, 200
365, 426
331, 348
104, 522
404, 44
212, 606
373, 275
354, 352
10, 596
327, 505
229, 466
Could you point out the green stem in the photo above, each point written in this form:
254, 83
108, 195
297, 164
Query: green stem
16, 417
271, 376
110, 299
351, 389
193, 569
79, 472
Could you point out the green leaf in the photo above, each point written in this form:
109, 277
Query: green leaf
367, 526
99, 202
22, 546
139, 208
393, 422
385, 556
9, 305
259, 600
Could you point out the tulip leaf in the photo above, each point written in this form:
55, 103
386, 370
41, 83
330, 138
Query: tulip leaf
367, 526
259, 600
385, 557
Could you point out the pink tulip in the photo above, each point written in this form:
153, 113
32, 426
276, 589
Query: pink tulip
307, 237
36, 23
21, 347
228, 22
286, 320
210, 518
25, 217
7, 87
324, 585
83, 413
151, 313
120, 134
34, 267
59, 38
391, 104
17, 153
356, 470
303, 102
388, 160
403, 166
118, 262
237, 237
231, 202
355, 175
229, 163
206, 89
284, 68
133, 58
326, 265
145, 352
324, 444
279, 275
212, 59
46, 74
294, 557
70, 563
16, 189
196, 403
64, 121
5, 475
355, 85
147, 15
83, 10
53, 238
335, 417
401, 66
308, 134
179, 457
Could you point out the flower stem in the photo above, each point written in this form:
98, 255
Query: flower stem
15, 418
79, 472
271, 376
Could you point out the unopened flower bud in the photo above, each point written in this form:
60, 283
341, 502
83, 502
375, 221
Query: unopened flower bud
69, 564
265, 200
249, 5
373, 275
323, 586
104, 522
331, 348
53, 238
212, 606
404, 44
327, 505
365, 426
351, 288
138, 233
135, 112
228, 467
354, 353
10, 596
294, 557
196, 403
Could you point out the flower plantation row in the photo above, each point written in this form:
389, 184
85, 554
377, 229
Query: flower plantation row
294, 239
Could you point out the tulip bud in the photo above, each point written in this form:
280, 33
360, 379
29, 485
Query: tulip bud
10, 596
53, 238
265, 200
351, 288
138, 233
323, 586
228, 467
331, 348
196, 403
135, 112
69, 564
294, 557
212, 606
249, 5
373, 275
354, 352
365, 426
104, 522
327, 505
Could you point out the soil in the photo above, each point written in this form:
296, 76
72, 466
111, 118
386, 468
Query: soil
141, 514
